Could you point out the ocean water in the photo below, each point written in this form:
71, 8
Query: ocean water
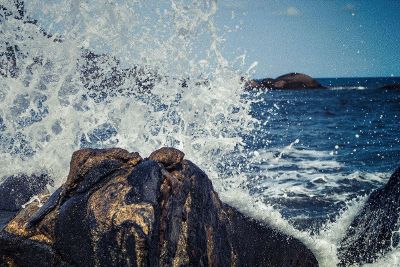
318, 149
145, 74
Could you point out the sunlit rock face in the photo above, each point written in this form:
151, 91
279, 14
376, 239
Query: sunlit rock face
296, 80
117, 209
374, 231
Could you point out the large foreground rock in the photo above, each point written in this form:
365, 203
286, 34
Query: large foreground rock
16, 190
372, 232
288, 81
117, 209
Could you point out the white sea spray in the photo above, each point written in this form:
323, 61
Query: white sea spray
49, 108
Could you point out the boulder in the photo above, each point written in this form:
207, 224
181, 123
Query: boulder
391, 86
117, 209
296, 81
16, 190
287, 81
373, 231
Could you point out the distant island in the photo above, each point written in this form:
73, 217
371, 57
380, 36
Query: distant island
292, 80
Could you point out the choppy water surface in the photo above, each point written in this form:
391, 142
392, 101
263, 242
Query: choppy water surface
320, 148
146, 74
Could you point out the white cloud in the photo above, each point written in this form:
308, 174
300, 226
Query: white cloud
292, 11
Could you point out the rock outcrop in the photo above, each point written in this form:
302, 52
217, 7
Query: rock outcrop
16, 190
392, 86
373, 231
117, 209
287, 81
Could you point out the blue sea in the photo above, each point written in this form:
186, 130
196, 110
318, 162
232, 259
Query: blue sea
321, 148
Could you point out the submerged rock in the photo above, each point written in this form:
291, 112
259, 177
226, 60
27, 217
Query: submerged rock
373, 231
392, 86
288, 81
16, 190
117, 209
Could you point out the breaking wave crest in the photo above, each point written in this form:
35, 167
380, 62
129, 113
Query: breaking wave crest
138, 75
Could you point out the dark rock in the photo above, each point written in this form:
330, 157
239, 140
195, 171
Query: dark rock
142, 213
250, 237
372, 231
145, 180
168, 156
46, 208
296, 81
267, 83
391, 86
16, 190
5, 217
287, 81
30, 252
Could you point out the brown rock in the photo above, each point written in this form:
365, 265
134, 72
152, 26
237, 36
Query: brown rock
118, 210
287, 81
296, 81
168, 156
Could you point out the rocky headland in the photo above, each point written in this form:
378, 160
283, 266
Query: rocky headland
288, 81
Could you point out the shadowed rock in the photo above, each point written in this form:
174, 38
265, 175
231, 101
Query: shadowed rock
372, 232
16, 190
117, 209
391, 86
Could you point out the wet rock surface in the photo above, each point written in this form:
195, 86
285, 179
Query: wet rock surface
117, 209
16, 190
372, 232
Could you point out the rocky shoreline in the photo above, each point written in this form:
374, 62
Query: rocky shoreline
118, 209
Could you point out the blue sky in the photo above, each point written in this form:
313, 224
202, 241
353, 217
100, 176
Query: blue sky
323, 38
